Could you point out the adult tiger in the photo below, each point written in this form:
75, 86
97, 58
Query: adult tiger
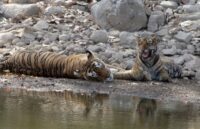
49, 64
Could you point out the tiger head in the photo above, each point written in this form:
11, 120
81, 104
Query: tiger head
96, 69
147, 47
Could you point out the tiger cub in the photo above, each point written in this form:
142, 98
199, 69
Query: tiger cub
50, 64
148, 65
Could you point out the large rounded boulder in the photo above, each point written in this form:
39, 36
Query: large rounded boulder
124, 15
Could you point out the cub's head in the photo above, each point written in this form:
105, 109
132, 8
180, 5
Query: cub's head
147, 47
96, 69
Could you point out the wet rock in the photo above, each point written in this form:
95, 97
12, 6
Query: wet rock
183, 36
99, 36
169, 4
41, 25
6, 37
24, 10
124, 15
127, 40
156, 20
54, 10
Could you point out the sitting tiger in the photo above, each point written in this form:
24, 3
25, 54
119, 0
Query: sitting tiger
50, 64
150, 66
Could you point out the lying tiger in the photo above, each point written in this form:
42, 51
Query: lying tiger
49, 64
149, 65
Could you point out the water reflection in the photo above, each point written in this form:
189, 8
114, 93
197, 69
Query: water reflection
21, 109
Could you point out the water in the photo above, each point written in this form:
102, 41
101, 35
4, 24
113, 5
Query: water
20, 109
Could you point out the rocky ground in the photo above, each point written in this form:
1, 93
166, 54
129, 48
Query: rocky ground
109, 28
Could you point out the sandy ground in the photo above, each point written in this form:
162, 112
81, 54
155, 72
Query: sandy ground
187, 91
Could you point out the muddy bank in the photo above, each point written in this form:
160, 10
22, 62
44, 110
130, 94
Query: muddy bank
180, 90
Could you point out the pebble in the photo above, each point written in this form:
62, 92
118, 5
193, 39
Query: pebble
183, 36
99, 36
169, 4
41, 25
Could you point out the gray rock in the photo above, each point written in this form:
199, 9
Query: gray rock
190, 16
191, 48
116, 57
157, 19
182, 59
27, 34
193, 64
59, 2
99, 36
23, 1
127, 40
64, 37
191, 8
6, 37
129, 53
124, 15
41, 25
21, 44
169, 52
54, 10
14, 10
94, 48
50, 37
183, 36
162, 32
169, 4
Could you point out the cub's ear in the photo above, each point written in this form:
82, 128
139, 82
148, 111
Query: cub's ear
90, 54
154, 38
140, 40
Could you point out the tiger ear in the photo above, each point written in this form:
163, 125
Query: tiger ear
139, 40
90, 54
154, 38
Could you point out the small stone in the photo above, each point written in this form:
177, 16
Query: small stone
41, 25
169, 52
191, 8
21, 44
6, 37
193, 64
24, 10
59, 2
169, 4
99, 36
162, 32
156, 20
50, 37
94, 48
127, 39
183, 36
54, 10
64, 37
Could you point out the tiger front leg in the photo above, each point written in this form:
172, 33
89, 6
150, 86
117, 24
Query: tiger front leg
164, 76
